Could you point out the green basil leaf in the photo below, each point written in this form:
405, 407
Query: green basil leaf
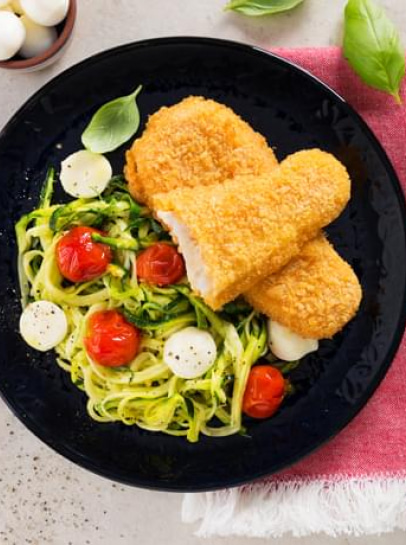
372, 46
113, 124
256, 8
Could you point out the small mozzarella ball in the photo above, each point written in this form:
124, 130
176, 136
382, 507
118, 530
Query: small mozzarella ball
16, 7
12, 35
38, 38
43, 325
286, 345
189, 353
46, 12
85, 174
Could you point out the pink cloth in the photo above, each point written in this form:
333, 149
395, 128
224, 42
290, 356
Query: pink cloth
374, 443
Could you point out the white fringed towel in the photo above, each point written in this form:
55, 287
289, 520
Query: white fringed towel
352, 506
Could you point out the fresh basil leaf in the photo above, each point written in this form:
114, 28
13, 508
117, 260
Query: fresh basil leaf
256, 8
372, 46
113, 124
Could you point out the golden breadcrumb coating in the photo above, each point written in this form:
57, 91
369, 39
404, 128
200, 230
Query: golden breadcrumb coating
201, 142
195, 142
314, 295
250, 227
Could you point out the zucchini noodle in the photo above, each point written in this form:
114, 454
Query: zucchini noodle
144, 393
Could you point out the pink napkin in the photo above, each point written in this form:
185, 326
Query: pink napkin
356, 483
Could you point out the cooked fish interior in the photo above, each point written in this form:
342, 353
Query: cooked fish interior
195, 267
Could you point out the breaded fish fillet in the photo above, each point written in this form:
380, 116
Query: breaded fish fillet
314, 295
195, 142
317, 307
234, 234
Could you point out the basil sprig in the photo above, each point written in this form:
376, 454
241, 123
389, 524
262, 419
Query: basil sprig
372, 46
113, 124
256, 8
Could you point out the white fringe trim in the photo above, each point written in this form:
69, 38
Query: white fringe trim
354, 507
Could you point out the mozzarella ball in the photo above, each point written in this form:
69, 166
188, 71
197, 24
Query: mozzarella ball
43, 325
46, 12
85, 174
189, 353
38, 38
12, 35
286, 345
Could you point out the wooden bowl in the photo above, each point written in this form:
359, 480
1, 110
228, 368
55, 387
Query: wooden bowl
53, 53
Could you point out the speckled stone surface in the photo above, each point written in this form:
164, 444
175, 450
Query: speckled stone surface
45, 499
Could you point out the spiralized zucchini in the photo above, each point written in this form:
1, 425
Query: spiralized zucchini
145, 392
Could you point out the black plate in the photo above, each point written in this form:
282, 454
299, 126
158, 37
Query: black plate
294, 111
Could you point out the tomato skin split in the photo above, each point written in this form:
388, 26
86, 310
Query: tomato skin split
264, 392
79, 258
160, 264
110, 340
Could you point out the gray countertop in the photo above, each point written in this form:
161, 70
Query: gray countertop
45, 499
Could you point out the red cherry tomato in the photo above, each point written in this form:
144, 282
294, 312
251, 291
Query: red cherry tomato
160, 264
264, 391
79, 258
111, 341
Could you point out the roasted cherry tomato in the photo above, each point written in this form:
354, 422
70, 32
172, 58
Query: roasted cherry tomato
264, 391
111, 341
79, 258
160, 264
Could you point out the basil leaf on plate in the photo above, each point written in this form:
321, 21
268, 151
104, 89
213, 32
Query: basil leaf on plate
113, 124
372, 46
255, 8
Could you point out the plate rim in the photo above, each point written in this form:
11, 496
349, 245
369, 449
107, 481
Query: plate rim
395, 183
